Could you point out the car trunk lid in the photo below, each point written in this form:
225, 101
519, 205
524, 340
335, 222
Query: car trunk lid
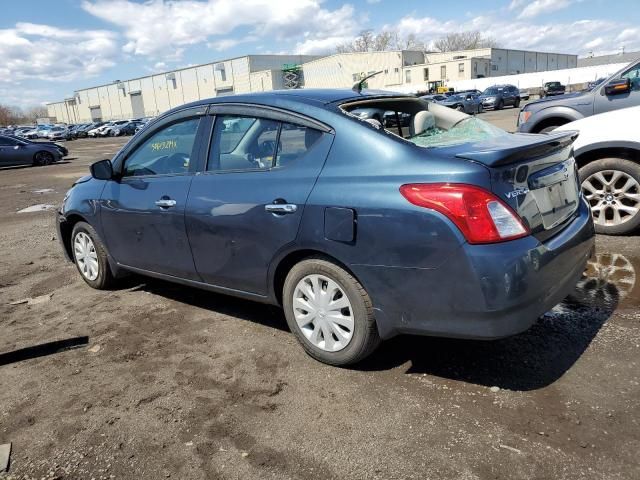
535, 175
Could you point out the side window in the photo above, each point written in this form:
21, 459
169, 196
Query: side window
294, 142
168, 151
243, 143
634, 75
6, 141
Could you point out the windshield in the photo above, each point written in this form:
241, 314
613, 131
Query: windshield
468, 130
492, 91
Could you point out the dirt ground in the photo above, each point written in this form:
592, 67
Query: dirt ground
180, 383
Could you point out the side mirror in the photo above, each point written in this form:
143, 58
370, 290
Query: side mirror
616, 87
102, 170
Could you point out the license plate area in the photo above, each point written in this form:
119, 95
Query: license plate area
556, 192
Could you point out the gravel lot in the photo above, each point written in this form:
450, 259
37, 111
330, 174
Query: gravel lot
179, 383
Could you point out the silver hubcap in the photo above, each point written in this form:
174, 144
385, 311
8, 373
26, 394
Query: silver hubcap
323, 312
614, 197
86, 256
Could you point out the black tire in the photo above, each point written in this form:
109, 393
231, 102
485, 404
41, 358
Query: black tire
105, 278
547, 129
500, 105
623, 165
480, 108
43, 158
365, 337
517, 103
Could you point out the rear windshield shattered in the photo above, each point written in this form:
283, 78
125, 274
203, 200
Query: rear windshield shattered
468, 130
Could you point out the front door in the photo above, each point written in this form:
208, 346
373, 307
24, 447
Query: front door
142, 212
606, 103
13, 152
247, 205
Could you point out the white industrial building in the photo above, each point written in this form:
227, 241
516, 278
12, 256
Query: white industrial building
400, 70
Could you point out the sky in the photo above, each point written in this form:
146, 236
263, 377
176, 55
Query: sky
49, 49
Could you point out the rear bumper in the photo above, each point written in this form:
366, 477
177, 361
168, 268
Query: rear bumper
484, 291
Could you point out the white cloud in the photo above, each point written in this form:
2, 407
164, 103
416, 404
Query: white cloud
570, 37
537, 7
23, 97
156, 26
33, 51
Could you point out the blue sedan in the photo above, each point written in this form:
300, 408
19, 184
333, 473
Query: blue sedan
360, 231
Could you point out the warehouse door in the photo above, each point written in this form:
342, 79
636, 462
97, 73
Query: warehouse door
137, 105
96, 114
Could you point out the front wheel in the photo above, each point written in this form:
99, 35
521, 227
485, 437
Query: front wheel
329, 312
43, 158
500, 105
90, 257
612, 188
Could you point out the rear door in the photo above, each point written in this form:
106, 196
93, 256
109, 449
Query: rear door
142, 212
606, 103
247, 204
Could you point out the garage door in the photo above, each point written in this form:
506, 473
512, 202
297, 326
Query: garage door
96, 114
137, 105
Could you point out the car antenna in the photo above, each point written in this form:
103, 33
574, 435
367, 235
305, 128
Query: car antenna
357, 87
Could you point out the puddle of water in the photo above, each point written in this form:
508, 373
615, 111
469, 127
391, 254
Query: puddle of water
41, 207
611, 280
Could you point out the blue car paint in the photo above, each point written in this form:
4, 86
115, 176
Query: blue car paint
422, 276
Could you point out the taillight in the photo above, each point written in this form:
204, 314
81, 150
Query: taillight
480, 215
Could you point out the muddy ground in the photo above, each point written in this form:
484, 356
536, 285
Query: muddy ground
179, 383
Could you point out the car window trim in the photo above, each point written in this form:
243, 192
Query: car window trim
268, 112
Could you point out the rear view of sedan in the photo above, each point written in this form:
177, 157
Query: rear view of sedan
447, 227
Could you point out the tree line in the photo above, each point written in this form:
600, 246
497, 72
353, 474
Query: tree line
10, 115
369, 41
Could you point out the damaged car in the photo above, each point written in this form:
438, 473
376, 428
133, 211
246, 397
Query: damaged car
448, 227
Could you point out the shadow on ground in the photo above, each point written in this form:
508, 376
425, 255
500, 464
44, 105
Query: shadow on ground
528, 361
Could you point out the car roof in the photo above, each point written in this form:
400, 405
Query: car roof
323, 96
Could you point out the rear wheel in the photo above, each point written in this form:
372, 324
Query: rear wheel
43, 158
90, 257
329, 312
612, 188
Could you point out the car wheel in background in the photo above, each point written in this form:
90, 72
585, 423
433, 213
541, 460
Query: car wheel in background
612, 188
500, 105
329, 312
43, 158
460, 108
90, 257
480, 108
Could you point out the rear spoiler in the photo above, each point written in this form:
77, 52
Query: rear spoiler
528, 146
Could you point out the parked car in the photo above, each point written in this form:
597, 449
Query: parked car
473, 91
524, 94
15, 151
110, 129
59, 146
552, 88
95, 131
434, 98
58, 133
608, 154
83, 132
358, 233
621, 90
500, 96
466, 103
370, 113
595, 83
128, 128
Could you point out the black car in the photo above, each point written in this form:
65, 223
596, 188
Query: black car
552, 88
126, 129
18, 151
83, 132
500, 96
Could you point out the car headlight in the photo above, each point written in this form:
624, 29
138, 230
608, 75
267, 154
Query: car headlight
524, 117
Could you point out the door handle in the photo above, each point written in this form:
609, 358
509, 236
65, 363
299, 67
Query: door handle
281, 208
165, 203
